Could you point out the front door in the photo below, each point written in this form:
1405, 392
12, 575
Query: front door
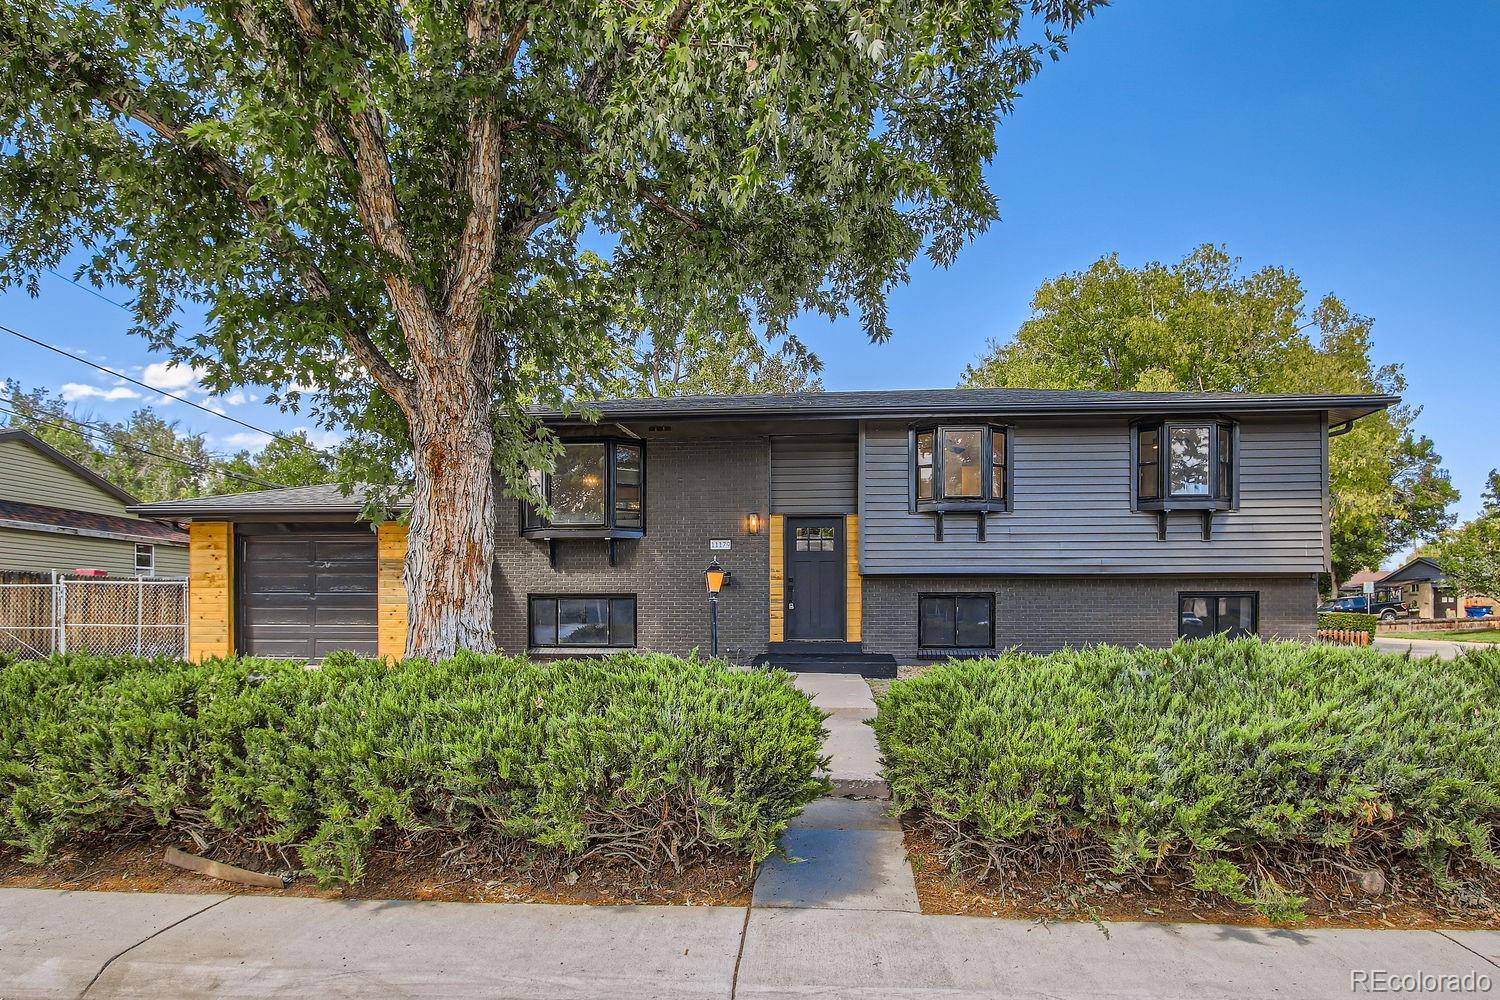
814, 578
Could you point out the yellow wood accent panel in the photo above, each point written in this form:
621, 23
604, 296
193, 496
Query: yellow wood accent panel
210, 589
778, 575
854, 595
390, 602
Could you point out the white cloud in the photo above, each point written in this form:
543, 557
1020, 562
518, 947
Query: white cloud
239, 398
249, 440
170, 375
71, 392
319, 438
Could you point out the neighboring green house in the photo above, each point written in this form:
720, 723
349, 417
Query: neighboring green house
55, 514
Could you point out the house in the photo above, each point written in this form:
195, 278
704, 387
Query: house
1356, 583
1422, 584
55, 514
865, 527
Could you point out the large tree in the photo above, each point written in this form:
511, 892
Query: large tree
1202, 323
432, 212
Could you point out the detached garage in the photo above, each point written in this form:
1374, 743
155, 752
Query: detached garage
290, 573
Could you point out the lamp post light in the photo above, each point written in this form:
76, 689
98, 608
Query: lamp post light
714, 578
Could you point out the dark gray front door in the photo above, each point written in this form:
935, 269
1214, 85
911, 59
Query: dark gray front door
814, 578
305, 596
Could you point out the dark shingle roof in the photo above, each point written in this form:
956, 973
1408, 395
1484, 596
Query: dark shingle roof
934, 402
327, 498
83, 521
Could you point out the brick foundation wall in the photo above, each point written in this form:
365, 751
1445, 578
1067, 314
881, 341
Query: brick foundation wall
1044, 613
695, 491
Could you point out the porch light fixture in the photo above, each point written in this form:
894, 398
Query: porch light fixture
752, 524
713, 579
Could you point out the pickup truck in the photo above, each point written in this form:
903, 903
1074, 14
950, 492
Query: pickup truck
1388, 608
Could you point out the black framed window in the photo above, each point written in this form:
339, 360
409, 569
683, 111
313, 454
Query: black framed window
1185, 464
956, 621
596, 489
960, 466
1203, 615
581, 620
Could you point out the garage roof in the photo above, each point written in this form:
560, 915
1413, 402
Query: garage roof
327, 498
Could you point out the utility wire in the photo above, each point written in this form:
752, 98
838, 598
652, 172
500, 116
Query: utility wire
94, 438
92, 291
103, 428
163, 392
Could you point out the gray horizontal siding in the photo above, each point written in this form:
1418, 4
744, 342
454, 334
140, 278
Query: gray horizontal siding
812, 475
1072, 508
41, 551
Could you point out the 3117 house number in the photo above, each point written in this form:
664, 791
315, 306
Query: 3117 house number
718, 545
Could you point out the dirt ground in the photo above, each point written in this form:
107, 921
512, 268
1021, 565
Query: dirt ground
425, 871
1409, 901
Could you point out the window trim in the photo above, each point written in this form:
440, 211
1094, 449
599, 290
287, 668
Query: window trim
986, 502
1165, 501
532, 525
151, 551
953, 595
558, 644
1214, 595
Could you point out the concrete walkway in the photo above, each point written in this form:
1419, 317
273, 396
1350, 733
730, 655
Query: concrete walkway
158, 947
849, 849
1426, 647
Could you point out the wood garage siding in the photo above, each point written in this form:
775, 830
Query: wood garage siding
41, 551
1072, 508
812, 475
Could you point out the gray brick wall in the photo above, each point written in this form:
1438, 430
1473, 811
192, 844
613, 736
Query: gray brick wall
1043, 613
695, 491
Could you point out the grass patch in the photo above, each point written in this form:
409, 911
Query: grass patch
640, 759
1243, 764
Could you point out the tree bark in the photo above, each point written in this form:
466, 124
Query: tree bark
451, 539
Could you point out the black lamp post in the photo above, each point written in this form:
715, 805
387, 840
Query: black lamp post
714, 578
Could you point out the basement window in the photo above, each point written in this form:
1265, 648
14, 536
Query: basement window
956, 621
1202, 615
590, 621
597, 489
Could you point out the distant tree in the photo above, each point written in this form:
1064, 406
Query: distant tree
157, 459
1470, 555
436, 213
695, 364
289, 460
1203, 324
1490, 498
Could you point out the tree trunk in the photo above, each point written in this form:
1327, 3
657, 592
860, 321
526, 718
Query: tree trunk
451, 542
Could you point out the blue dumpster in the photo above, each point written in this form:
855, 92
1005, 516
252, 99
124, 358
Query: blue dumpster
1479, 610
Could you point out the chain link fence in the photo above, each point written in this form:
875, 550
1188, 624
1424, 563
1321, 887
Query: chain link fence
45, 613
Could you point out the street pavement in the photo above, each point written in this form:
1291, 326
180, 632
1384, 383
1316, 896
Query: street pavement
1425, 647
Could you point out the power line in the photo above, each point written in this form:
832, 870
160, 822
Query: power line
151, 388
92, 291
94, 437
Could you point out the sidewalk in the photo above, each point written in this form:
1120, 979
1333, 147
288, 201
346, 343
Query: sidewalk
112, 945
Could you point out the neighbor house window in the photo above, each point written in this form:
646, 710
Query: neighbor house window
597, 487
1184, 464
956, 621
1203, 615
582, 621
145, 560
960, 467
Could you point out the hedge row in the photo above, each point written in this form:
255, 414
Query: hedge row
645, 757
1347, 621
1230, 757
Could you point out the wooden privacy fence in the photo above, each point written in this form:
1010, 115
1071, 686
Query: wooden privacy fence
45, 613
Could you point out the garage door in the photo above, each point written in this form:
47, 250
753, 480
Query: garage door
307, 595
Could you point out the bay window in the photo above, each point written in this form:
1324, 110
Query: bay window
1184, 465
596, 489
960, 467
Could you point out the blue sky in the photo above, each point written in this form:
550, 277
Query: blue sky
1354, 143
